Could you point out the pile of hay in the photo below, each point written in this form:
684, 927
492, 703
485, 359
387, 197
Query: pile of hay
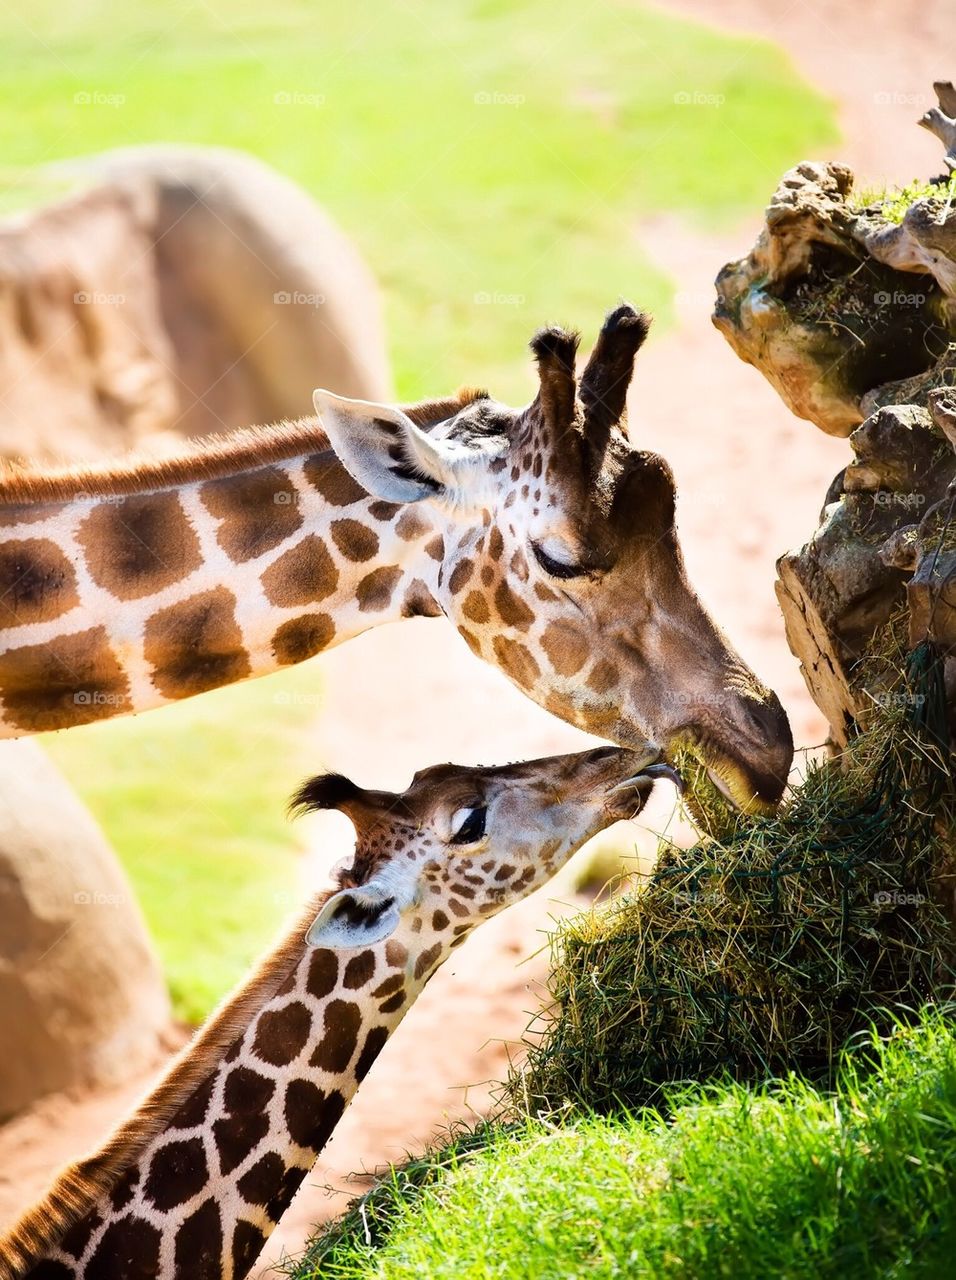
763, 948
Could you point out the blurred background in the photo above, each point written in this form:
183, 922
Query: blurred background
495, 167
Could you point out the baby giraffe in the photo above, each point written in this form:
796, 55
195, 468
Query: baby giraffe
191, 1185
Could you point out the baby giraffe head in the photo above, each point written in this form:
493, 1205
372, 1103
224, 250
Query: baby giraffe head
462, 843
561, 564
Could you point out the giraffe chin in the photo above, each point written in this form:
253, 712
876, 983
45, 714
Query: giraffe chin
733, 784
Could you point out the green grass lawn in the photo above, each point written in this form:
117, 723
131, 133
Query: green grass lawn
474, 151
493, 163
193, 799
785, 1182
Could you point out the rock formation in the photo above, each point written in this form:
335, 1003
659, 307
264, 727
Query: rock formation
848, 306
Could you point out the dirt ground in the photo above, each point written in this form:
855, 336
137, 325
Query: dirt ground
751, 479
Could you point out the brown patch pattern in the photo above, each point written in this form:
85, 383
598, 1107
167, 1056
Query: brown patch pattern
70, 680
196, 645
138, 545
257, 511
305, 574
37, 582
302, 637
374, 592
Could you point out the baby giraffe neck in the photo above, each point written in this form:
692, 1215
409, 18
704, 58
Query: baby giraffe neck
197, 1179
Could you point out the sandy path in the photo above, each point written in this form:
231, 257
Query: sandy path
751, 478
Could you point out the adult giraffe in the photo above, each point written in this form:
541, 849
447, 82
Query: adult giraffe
541, 533
190, 1187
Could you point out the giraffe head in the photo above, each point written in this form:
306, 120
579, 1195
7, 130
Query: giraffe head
561, 560
462, 843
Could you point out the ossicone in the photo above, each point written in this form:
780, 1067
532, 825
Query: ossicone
325, 791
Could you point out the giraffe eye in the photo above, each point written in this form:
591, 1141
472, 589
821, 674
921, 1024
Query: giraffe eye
468, 825
557, 568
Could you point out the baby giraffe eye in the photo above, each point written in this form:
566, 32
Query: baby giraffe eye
468, 825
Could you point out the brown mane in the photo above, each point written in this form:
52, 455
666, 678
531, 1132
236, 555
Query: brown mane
80, 1185
205, 458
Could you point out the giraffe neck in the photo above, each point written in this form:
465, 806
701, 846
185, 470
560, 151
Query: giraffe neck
196, 1180
113, 602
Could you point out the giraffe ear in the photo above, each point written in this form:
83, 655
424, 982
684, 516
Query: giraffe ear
389, 456
355, 918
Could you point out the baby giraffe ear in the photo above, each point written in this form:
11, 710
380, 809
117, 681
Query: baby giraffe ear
391, 458
355, 918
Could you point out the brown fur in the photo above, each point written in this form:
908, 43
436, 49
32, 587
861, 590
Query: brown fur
80, 1185
208, 458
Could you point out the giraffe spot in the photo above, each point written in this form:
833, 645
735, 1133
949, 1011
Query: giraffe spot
200, 1245
505, 872
326, 474
459, 576
516, 659
359, 970
257, 510
519, 566
16, 513
138, 545
270, 1184
311, 1114
411, 525
427, 959
196, 645
471, 640
246, 1092
374, 1042
511, 499
384, 510
302, 638
75, 1240
354, 540
305, 574
261, 1182
476, 607
393, 1002
496, 544
512, 610
439, 921
177, 1172
374, 592
545, 593
396, 953
463, 890
236, 1136
435, 547
457, 908
69, 680
193, 1110
50, 1270
419, 602
342, 1021
562, 707
550, 848
566, 646
125, 1189
128, 1247
323, 973
389, 986
603, 676
247, 1243
37, 582
487, 574
281, 1033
